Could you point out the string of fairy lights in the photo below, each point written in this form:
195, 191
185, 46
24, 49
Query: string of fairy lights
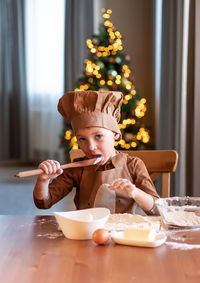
94, 70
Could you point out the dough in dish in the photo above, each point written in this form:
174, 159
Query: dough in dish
181, 218
123, 221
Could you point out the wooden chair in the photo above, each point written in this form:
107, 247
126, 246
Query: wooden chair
158, 162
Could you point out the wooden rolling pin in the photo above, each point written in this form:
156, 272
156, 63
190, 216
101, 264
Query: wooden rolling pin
82, 163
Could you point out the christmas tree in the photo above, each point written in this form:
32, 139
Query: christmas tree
108, 68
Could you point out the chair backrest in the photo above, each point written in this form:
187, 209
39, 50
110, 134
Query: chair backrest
158, 162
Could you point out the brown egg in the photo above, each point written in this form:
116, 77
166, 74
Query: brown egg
100, 236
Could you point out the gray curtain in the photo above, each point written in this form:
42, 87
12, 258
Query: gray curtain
13, 100
195, 71
78, 27
176, 109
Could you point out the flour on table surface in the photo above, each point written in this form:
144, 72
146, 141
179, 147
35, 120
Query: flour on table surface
51, 236
177, 238
45, 221
182, 246
181, 238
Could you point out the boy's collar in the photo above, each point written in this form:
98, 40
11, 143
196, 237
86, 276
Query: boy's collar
116, 161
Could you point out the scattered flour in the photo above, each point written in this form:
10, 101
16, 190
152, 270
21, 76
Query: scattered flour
182, 246
51, 236
179, 238
180, 230
44, 221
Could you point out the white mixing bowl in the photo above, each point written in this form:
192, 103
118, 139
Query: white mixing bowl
80, 224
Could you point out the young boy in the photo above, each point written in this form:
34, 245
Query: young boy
94, 117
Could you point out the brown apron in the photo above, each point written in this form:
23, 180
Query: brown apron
92, 179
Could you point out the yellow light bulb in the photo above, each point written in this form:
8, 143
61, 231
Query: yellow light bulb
133, 144
93, 50
88, 41
127, 97
102, 82
98, 76
143, 100
109, 82
127, 146
75, 146
90, 80
106, 16
128, 86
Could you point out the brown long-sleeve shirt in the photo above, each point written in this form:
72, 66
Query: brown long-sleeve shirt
87, 181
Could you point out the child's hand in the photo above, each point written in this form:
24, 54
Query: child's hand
124, 186
51, 169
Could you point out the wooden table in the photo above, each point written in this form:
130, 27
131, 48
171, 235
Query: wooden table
32, 250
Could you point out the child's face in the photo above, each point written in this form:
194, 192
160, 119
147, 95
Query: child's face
97, 142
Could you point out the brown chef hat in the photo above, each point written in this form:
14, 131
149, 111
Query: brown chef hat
92, 109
